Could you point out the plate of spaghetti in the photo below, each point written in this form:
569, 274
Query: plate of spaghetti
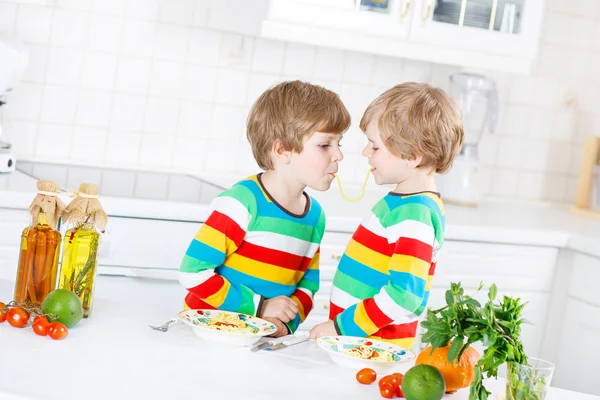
358, 352
227, 327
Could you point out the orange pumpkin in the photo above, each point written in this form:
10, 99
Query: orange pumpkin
458, 374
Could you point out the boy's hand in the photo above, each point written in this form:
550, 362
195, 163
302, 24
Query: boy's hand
323, 329
281, 307
282, 329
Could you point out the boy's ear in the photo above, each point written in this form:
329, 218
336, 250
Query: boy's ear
415, 161
280, 153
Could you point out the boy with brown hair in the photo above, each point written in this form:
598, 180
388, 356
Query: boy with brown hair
258, 251
383, 279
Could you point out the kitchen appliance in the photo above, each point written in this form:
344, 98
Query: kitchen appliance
477, 97
14, 58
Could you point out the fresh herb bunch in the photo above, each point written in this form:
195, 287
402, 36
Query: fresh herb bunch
464, 321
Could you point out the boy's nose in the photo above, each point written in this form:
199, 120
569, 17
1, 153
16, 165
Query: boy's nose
339, 156
366, 152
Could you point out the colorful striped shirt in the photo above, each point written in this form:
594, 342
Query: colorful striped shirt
250, 249
383, 279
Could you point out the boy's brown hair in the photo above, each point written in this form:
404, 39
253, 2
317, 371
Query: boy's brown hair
289, 112
416, 119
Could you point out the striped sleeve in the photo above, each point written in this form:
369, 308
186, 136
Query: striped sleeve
219, 236
411, 236
309, 284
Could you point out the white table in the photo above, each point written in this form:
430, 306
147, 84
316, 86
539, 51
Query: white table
114, 355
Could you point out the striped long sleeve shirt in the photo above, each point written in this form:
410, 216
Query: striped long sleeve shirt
251, 249
383, 279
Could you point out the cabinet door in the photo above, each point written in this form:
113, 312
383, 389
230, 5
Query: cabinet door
12, 223
503, 27
345, 15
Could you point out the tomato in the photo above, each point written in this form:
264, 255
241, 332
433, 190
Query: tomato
399, 391
40, 317
386, 391
40, 325
57, 331
399, 378
17, 317
2, 312
389, 380
366, 376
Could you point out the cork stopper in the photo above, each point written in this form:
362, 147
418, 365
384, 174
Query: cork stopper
46, 201
86, 208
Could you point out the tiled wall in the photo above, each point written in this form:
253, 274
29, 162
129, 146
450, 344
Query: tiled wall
168, 84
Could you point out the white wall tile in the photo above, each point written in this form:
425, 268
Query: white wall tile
138, 38
199, 83
299, 60
550, 62
105, 33
123, 148
26, 102
24, 138
38, 60
268, 56
194, 119
541, 123
515, 120
236, 51
531, 185
259, 83
161, 116
596, 38
535, 155
64, 66
166, 78
115, 7
99, 71
356, 98
575, 68
143, 9
117, 183
232, 87
78, 175
8, 16
34, 24
387, 71
582, 33
521, 90
510, 152
555, 187
559, 157
69, 28
239, 16
128, 112
89, 144
415, 71
329, 64
157, 150
358, 67
171, 42
227, 123
178, 12
133, 75
183, 188
557, 28
214, 161
54, 141
82, 5
201, 11
189, 153
204, 47
488, 149
93, 108
577, 151
151, 186
564, 125
505, 183
546, 92
59, 104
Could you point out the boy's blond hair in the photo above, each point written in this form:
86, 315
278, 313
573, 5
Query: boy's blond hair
415, 119
289, 112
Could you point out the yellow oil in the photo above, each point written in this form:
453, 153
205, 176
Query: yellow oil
78, 270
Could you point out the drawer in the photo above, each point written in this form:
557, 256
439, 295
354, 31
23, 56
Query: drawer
336, 238
12, 223
9, 259
510, 267
585, 278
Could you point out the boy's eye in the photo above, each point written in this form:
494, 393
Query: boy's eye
323, 146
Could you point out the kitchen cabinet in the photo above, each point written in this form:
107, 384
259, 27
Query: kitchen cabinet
492, 34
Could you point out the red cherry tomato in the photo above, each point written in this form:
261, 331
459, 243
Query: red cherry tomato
40, 325
2, 312
389, 380
386, 390
17, 317
57, 331
40, 318
366, 376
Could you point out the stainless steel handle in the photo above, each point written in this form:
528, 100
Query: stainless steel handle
405, 10
427, 13
336, 256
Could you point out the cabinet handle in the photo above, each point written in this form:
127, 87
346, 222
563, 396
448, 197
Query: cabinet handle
427, 13
404, 12
326, 307
336, 256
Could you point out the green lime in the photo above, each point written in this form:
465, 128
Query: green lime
423, 382
63, 306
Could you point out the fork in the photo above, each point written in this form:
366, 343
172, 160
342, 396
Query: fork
164, 327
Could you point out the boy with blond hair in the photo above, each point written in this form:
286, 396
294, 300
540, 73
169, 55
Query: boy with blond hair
258, 251
383, 279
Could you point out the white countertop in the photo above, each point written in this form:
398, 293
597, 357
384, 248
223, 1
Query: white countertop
114, 355
496, 221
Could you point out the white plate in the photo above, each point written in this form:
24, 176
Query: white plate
202, 323
337, 346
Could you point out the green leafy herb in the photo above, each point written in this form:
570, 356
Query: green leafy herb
496, 324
